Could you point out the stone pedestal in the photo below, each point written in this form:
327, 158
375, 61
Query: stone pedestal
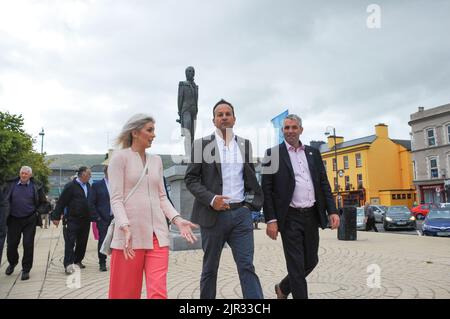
183, 201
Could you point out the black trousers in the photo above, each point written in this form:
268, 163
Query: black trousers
76, 235
18, 227
370, 224
300, 237
102, 230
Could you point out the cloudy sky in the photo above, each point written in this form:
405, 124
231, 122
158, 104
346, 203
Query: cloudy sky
80, 69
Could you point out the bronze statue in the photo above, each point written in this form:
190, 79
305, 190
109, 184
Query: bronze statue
188, 108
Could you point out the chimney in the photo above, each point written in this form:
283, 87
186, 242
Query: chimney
381, 130
339, 140
421, 108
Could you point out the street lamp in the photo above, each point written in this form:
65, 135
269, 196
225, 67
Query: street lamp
331, 130
42, 140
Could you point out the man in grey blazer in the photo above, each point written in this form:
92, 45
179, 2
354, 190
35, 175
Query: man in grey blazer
221, 176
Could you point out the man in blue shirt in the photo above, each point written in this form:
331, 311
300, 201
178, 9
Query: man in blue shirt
73, 204
25, 200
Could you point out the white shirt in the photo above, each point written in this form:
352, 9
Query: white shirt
232, 168
84, 186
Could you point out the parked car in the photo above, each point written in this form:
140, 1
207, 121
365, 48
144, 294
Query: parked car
379, 211
421, 211
399, 217
360, 219
437, 223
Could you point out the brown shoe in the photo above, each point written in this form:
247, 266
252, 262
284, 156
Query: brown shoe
279, 293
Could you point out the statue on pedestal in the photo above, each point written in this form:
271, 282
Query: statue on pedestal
188, 108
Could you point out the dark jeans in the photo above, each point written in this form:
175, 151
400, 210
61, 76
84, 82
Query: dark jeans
300, 237
76, 235
234, 227
370, 224
102, 230
16, 228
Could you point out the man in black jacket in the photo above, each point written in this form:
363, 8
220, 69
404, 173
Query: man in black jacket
221, 176
297, 200
73, 203
23, 203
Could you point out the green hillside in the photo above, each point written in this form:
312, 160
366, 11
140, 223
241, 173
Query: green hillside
74, 161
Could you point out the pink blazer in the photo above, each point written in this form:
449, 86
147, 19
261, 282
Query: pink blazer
146, 209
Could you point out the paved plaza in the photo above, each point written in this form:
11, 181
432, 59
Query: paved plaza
409, 267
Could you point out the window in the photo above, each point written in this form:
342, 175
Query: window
335, 184
399, 196
347, 183
434, 171
334, 165
325, 164
409, 196
403, 196
358, 160
393, 196
360, 181
345, 162
448, 133
430, 137
414, 170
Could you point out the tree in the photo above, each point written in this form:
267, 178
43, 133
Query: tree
16, 150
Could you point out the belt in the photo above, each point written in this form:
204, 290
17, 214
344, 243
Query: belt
234, 206
302, 210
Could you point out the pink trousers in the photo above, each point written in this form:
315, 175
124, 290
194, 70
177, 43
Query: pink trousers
126, 275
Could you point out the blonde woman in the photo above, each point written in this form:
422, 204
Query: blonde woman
140, 206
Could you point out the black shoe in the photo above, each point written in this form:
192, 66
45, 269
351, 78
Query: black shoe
10, 270
81, 265
102, 267
25, 275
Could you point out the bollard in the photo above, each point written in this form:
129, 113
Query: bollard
347, 227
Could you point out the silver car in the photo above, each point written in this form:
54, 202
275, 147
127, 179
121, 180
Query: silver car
360, 219
379, 211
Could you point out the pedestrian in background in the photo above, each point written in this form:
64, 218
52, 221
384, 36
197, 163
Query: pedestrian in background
73, 204
25, 201
99, 202
369, 218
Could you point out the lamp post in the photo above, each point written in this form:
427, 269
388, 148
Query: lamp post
338, 172
42, 140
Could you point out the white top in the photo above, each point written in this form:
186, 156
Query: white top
232, 168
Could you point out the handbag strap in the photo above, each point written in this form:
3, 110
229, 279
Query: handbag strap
139, 181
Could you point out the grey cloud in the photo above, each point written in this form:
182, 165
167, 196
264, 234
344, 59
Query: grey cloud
317, 59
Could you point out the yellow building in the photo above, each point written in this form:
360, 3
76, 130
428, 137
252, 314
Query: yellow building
374, 168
